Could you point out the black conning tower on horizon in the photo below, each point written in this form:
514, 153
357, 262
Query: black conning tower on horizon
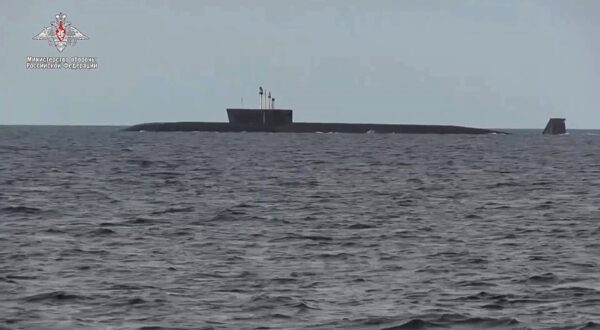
259, 117
266, 116
555, 126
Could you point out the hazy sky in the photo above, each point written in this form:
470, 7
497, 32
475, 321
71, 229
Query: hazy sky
500, 64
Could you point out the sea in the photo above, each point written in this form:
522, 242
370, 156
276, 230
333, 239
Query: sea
106, 229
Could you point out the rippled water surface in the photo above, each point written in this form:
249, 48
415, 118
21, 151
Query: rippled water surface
103, 229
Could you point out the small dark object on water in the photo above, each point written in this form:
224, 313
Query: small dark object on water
555, 126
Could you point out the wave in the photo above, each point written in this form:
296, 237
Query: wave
542, 278
21, 210
174, 210
54, 296
102, 232
360, 226
456, 321
304, 237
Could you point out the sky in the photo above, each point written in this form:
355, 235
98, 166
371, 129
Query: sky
493, 64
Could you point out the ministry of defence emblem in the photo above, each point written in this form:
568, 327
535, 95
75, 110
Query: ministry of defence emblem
60, 33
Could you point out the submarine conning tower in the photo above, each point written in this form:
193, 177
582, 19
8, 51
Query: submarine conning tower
259, 117
555, 126
266, 116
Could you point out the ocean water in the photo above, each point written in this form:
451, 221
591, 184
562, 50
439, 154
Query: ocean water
104, 229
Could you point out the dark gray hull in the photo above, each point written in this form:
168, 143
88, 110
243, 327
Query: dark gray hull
309, 128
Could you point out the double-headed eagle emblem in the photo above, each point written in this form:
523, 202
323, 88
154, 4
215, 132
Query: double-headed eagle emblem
60, 33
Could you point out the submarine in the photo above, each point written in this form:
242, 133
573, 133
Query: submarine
268, 118
555, 126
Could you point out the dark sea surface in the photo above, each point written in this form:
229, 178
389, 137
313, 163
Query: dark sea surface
103, 229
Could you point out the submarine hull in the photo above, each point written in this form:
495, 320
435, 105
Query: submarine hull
301, 127
281, 120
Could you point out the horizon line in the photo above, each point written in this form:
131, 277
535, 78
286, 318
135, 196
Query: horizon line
128, 125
